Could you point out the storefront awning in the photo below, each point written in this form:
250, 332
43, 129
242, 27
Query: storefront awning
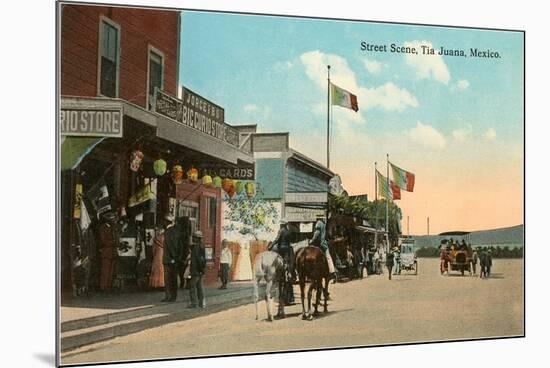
178, 133
74, 149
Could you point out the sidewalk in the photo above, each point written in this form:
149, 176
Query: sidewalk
87, 320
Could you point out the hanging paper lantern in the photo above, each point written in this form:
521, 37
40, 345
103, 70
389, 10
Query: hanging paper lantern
135, 160
239, 186
250, 189
217, 182
193, 174
207, 180
177, 174
229, 187
160, 167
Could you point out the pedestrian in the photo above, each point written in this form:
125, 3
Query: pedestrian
198, 266
389, 263
156, 279
443, 259
171, 258
397, 261
474, 261
483, 264
376, 262
226, 259
489, 263
108, 237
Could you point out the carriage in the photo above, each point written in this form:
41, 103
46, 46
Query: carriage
408, 261
458, 257
346, 247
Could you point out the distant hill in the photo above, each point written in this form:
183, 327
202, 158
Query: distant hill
511, 236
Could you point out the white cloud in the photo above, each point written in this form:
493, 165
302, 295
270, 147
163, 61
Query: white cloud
387, 97
373, 66
462, 134
491, 134
250, 108
463, 84
427, 136
427, 66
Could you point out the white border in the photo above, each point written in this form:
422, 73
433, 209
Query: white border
28, 288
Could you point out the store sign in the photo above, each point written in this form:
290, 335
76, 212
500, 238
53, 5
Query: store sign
306, 197
243, 171
197, 113
296, 214
91, 122
306, 227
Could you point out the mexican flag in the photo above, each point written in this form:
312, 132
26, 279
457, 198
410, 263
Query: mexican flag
389, 192
341, 97
403, 179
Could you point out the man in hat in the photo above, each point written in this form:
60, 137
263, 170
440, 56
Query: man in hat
108, 237
198, 267
284, 248
397, 261
171, 258
319, 239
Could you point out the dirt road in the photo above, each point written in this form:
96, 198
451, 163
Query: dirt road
370, 311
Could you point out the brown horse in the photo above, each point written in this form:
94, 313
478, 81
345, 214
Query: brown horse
311, 264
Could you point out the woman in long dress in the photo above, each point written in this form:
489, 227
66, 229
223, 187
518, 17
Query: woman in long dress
156, 280
244, 266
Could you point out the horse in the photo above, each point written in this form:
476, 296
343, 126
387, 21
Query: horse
312, 264
270, 267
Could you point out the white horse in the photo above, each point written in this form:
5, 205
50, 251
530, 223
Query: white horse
269, 266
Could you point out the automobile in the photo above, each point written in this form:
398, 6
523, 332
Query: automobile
408, 255
458, 258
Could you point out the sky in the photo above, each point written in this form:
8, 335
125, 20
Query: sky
455, 122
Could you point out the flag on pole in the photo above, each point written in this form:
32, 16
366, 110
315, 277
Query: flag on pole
343, 98
403, 179
389, 192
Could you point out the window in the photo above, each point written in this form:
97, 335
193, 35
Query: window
109, 56
156, 72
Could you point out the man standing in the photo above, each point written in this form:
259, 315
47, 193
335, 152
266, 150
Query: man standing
389, 263
474, 261
397, 261
171, 259
489, 263
226, 259
198, 266
108, 236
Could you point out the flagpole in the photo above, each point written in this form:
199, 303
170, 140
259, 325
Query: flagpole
328, 116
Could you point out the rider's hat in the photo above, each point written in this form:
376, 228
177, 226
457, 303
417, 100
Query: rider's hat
283, 222
198, 234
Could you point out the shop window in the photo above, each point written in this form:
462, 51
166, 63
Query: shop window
212, 209
155, 72
109, 57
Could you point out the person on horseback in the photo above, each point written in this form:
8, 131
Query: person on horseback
282, 241
319, 240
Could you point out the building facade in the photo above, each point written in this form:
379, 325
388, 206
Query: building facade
130, 147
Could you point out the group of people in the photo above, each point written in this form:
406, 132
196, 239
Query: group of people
393, 262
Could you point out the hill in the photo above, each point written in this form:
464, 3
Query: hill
510, 236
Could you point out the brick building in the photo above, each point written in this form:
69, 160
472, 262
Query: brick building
119, 120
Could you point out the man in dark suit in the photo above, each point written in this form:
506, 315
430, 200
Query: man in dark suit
198, 268
171, 259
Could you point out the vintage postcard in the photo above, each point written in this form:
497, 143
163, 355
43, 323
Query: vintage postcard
238, 183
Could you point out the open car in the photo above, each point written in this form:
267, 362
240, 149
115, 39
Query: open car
458, 253
408, 255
